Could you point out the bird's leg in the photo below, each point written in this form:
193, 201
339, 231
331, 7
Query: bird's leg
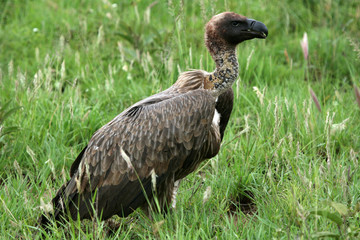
166, 202
174, 193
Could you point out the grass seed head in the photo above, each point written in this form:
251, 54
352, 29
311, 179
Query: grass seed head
315, 99
357, 95
10, 68
305, 46
46, 207
338, 127
207, 194
62, 71
260, 94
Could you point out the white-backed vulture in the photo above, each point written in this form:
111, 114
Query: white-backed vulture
153, 144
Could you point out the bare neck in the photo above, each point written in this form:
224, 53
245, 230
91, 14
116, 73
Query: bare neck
225, 74
227, 69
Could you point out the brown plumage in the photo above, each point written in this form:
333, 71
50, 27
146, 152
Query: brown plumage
163, 137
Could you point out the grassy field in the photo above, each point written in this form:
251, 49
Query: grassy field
289, 163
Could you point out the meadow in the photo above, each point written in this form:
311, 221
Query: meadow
289, 163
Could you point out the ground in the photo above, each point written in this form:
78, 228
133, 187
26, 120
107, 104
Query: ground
289, 163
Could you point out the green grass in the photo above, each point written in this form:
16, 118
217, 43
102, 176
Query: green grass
69, 67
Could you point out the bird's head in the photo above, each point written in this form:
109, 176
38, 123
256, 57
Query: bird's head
230, 29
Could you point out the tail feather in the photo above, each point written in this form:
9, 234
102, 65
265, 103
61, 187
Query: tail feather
47, 218
44, 221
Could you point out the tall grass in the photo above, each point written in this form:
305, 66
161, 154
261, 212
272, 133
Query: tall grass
285, 170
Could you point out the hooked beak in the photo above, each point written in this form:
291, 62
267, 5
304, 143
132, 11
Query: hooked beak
256, 29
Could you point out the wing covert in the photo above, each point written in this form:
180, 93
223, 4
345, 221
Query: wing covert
157, 136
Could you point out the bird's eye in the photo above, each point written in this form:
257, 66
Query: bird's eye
235, 23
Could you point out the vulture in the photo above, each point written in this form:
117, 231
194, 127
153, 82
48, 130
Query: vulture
139, 158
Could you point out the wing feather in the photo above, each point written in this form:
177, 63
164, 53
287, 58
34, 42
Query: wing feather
158, 136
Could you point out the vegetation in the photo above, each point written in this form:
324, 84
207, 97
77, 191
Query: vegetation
289, 163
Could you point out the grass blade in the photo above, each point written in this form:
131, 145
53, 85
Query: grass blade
331, 216
325, 234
